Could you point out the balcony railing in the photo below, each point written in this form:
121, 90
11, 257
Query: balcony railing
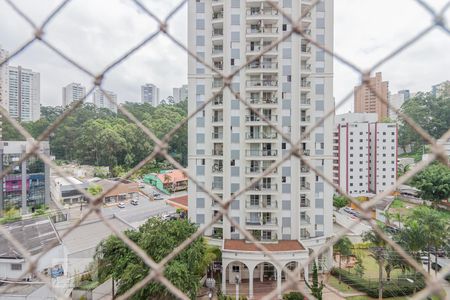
217, 152
262, 204
217, 51
262, 221
304, 170
306, 68
263, 65
217, 168
217, 185
217, 32
305, 101
217, 135
305, 84
259, 48
218, 100
255, 118
305, 119
259, 12
257, 170
305, 220
216, 119
305, 186
262, 29
263, 153
273, 237
271, 100
306, 49
217, 15
305, 202
264, 187
265, 82
261, 135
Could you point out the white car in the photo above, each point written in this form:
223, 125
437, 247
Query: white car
121, 205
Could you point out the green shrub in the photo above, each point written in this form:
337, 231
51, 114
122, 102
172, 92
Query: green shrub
393, 288
293, 296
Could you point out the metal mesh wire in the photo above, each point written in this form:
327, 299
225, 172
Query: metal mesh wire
434, 284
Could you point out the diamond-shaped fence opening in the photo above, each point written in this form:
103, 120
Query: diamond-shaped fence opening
38, 151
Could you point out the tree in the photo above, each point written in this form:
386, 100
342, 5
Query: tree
433, 182
340, 201
359, 266
378, 252
435, 228
95, 189
344, 248
157, 238
315, 288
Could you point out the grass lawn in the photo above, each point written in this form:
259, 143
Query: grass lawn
397, 203
341, 287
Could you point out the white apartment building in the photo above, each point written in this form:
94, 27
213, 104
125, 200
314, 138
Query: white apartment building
150, 94
101, 100
292, 86
4, 97
72, 92
396, 101
442, 89
180, 94
365, 152
24, 94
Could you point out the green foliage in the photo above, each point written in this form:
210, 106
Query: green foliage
11, 215
225, 297
157, 238
399, 287
315, 287
293, 296
433, 182
397, 203
359, 266
340, 201
95, 189
99, 137
429, 112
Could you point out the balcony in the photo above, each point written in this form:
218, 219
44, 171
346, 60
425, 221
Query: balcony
305, 186
261, 135
262, 66
305, 203
262, 205
304, 101
217, 32
217, 84
305, 50
264, 187
218, 100
258, 12
217, 186
305, 84
258, 48
305, 235
304, 170
261, 153
262, 30
217, 135
217, 168
305, 119
255, 118
217, 152
217, 15
217, 119
305, 220
306, 68
258, 170
263, 101
217, 51
262, 222
264, 83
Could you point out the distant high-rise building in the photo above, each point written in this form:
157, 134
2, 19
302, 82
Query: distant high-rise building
180, 94
4, 95
441, 89
150, 94
230, 146
365, 152
101, 101
24, 94
366, 100
72, 92
396, 101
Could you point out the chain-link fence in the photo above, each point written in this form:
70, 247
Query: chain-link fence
433, 284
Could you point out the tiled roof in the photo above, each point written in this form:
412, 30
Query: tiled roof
280, 246
175, 176
181, 201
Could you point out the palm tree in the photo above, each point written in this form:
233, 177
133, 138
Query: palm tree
344, 248
316, 288
378, 252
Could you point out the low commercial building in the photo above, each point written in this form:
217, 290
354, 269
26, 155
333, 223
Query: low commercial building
168, 181
67, 190
123, 189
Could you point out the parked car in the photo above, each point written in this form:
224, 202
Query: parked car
57, 271
121, 205
134, 202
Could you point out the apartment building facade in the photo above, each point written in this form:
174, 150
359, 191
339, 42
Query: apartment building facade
180, 94
24, 92
291, 85
365, 154
72, 92
150, 94
101, 100
4, 85
366, 100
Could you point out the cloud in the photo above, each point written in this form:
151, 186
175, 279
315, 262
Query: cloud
95, 33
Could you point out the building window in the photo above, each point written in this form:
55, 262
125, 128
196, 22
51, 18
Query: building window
283, 146
233, 162
284, 27
232, 229
235, 269
283, 179
16, 267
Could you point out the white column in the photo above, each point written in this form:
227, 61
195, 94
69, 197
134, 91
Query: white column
224, 280
250, 282
306, 269
279, 283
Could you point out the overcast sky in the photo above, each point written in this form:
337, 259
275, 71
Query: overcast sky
95, 32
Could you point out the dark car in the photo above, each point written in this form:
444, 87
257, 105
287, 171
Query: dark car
134, 202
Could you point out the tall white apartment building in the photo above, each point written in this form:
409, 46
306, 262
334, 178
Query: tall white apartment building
396, 101
101, 101
4, 87
180, 94
290, 209
72, 92
150, 94
24, 94
366, 154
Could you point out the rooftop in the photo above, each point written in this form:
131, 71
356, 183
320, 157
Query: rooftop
33, 234
174, 175
179, 202
280, 246
66, 181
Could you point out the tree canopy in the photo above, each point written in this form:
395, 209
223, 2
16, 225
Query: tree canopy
100, 137
157, 238
433, 182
